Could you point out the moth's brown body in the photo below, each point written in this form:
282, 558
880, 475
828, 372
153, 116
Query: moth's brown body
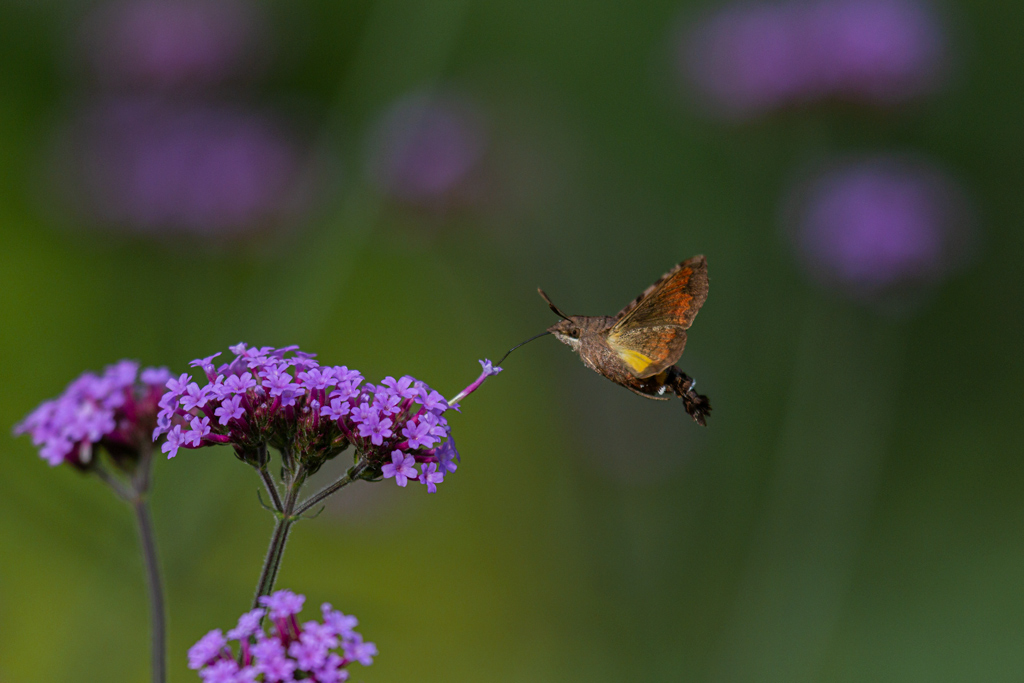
638, 347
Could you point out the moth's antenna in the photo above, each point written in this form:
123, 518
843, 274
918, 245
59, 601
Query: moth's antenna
551, 305
518, 345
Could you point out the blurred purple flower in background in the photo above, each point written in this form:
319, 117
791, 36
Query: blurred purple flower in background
170, 43
154, 149
748, 59
878, 51
879, 225
152, 166
426, 146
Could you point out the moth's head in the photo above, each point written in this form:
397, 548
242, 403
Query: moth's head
568, 329
568, 332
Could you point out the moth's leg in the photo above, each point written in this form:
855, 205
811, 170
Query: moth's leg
697, 405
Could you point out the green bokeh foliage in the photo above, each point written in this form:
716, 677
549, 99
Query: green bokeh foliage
852, 513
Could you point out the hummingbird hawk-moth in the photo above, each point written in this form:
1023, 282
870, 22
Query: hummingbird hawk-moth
638, 347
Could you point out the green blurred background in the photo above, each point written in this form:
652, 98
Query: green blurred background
853, 512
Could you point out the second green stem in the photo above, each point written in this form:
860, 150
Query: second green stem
275, 553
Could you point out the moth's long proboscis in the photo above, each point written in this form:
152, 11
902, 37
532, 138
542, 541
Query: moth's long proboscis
518, 345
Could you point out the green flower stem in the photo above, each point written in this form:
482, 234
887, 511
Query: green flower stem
275, 553
156, 596
119, 489
268, 481
135, 495
346, 479
273, 559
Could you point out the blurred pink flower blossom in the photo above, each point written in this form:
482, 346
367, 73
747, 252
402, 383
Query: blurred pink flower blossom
170, 43
426, 146
147, 165
880, 225
748, 59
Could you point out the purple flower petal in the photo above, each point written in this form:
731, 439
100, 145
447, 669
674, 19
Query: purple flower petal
207, 648
431, 477
402, 468
282, 604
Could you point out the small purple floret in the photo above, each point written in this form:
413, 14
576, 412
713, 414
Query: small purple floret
156, 377
447, 455
432, 401
402, 388
342, 624
337, 409
194, 397
402, 468
419, 435
431, 477
277, 382
435, 424
239, 384
231, 409
221, 671
205, 364
283, 604
207, 648
360, 651
489, 368
200, 428
248, 624
315, 378
375, 428
364, 412
387, 402
175, 439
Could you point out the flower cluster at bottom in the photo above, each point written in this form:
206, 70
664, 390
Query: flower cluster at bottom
290, 652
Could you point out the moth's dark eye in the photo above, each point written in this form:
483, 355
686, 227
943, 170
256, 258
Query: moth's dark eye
575, 334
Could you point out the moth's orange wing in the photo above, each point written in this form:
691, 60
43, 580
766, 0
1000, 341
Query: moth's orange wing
648, 350
650, 333
672, 300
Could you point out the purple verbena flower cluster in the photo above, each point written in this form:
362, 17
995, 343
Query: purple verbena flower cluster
289, 652
116, 411
310, 413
